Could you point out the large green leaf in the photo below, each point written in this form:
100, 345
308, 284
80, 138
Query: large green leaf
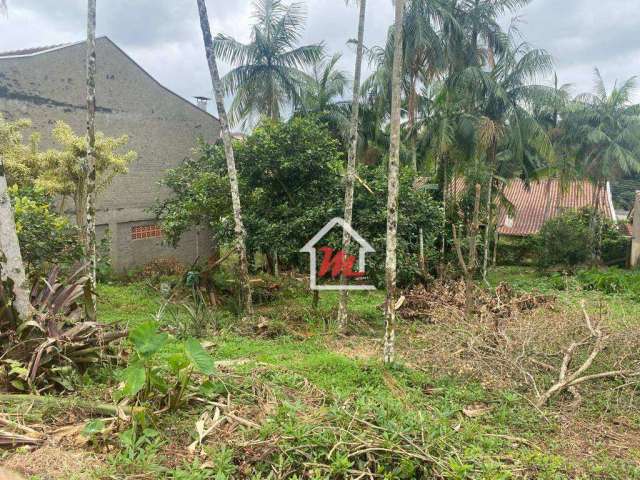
199, 357
147, 340
93, 428
134, 379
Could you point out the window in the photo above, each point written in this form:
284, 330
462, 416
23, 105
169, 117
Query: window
145, 231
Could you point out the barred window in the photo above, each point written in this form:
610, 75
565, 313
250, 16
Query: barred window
145, 231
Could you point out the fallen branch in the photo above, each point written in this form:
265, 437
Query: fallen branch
86, 405
568, 380
13, 440
16, 426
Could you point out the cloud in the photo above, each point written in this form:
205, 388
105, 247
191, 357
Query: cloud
164, 35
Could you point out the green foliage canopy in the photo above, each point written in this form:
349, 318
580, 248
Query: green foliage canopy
291, 178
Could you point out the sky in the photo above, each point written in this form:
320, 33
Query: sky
164, 35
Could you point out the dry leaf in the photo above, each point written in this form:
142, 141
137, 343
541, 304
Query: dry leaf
476, 410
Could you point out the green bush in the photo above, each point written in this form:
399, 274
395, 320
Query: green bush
610, 281
515, 251
571, 239
45, 237
292, 183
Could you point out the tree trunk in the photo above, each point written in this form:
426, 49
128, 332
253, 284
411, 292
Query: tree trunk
469, 267
11, 265
422, 258
595, 224
445, 193
276, 264
412, 124
228, 150
489, 226
392, 201
89, 169
351, 162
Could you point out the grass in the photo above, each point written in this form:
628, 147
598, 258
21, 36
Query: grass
326, 405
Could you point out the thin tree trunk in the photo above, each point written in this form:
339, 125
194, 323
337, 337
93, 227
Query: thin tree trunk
228, 150
11, 265
469, 267
276, 264
422, 259
489, 226
412, 124
445, 196
414, 161
392, 201
89, 169
351, 162
494, 260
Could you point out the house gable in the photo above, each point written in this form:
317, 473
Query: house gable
163, 128
49, 84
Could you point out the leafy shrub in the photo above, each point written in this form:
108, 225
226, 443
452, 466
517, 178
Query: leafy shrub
610, 281
570, 240
515, 251
292, 184
153, 372
46, 238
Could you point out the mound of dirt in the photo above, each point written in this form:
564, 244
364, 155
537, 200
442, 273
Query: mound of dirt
440, 300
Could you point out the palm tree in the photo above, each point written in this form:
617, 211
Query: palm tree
506, 124
423, 58
393, 180
604, 129
351, 160
228, 150
87, 204
322, 95
268, 74
11, 265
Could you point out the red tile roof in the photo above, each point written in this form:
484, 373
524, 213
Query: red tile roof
538, 202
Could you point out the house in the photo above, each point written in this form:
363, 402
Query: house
48, 84
533, 204
540, 201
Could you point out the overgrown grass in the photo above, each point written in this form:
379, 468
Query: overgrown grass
326, 414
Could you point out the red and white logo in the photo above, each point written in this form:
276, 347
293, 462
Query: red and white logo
336, 262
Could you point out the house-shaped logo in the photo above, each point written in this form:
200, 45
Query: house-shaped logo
337, 263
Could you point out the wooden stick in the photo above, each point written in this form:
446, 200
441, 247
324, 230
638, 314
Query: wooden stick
88, 406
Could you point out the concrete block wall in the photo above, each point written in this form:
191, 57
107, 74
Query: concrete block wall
163, 129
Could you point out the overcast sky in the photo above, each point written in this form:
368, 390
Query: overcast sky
164, 35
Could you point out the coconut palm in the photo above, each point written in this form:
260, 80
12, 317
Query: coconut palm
393, 180
322, 95
480, 19
507, 128
87, 199
603, 130
423, 58
228, 150
267, 75
353, 151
